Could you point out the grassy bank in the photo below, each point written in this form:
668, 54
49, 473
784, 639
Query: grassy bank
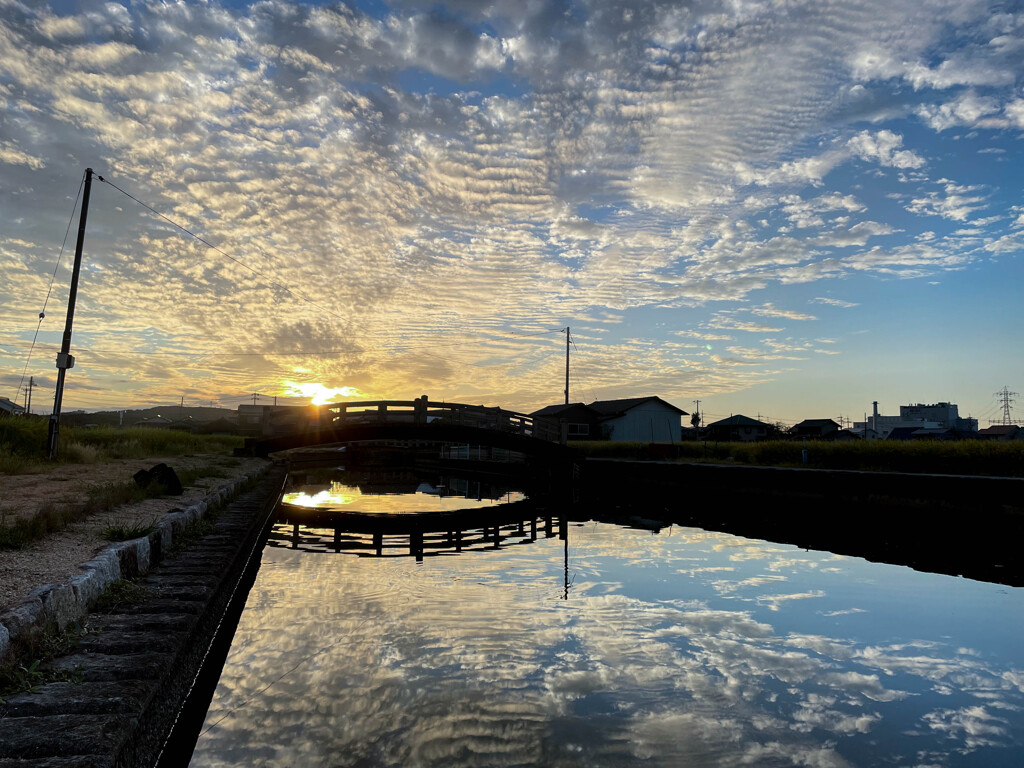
967, 457
22, 444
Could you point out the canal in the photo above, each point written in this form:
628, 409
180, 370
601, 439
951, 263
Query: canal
542, 637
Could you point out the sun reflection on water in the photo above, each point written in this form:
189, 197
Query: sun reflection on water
427, 498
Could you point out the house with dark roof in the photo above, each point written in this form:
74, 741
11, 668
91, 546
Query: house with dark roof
1002, 432
739, 429
633, 419
815, 429
582, 421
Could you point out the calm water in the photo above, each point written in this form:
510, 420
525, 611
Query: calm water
613, 646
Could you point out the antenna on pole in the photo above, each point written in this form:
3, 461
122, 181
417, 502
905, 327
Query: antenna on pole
568, 338
64, 357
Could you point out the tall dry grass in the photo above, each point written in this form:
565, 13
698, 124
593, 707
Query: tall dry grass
23, 443
967, 457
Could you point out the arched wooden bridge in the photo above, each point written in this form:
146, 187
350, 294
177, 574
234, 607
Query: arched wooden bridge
419, 420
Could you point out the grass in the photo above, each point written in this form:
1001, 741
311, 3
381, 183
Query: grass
121, 592
29, 676
23, 442
52, 517
966, 457
126, 530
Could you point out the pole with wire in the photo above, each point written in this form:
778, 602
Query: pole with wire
64, 357
567, 342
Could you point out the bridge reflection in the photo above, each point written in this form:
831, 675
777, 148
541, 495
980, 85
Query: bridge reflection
411, 536
402, 512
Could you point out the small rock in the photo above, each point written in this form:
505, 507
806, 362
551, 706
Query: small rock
161, 474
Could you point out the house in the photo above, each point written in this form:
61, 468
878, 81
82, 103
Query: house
10, 408
739, 428
582, 421
816, 429
639, 419
1002, 432
634, 419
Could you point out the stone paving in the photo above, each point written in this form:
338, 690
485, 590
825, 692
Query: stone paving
137, 663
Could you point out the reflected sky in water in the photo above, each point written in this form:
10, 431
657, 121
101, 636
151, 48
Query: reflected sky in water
427, 498
677, 648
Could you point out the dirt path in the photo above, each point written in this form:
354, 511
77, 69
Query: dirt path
56, 557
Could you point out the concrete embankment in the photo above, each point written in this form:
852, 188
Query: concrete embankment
133, 666
952, 524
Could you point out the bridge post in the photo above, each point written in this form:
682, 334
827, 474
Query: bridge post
420, 410
382, 412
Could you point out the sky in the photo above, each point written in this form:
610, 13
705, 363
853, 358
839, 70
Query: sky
782, 209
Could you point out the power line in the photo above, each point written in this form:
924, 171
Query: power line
223, 253
49, 288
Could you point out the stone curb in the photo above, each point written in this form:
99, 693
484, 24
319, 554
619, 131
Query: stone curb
58, 604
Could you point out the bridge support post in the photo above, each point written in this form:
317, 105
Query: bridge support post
420, 410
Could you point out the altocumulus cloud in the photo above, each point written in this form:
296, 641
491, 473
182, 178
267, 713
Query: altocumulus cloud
410, 183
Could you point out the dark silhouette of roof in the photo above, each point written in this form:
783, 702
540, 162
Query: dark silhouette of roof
808, 423
999, 429
611, 408
554, 410
739, 420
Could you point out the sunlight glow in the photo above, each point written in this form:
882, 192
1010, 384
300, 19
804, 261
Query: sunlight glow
320, 394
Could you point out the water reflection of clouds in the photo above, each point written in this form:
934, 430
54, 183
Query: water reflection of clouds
471, 661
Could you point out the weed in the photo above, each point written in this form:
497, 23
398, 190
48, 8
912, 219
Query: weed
126, 530
194, 531
50, 517
30, 676
121, 592
78, 453
190, 476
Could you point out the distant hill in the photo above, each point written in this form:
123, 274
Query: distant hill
196, 415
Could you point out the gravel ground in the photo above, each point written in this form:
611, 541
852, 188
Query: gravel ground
56, 557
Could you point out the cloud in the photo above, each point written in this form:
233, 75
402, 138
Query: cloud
834, 302
883, 147
392, 187
967, 109
768, 310
956, 202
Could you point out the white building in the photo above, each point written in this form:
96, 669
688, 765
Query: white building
640, 419
936, 416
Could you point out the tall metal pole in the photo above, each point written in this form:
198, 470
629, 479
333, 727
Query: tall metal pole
64, 358
566, 365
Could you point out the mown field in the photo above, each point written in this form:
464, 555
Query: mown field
966, 457
23, 444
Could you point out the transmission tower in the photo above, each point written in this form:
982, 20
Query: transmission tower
1006, 397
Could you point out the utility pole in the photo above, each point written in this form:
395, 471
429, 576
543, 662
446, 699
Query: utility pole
567, 339
699, 421
28, 395
255, 397
64, 358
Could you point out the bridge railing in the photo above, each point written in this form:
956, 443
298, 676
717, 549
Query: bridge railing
422, 411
